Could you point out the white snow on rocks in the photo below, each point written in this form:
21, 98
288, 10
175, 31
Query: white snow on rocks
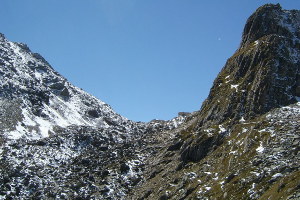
28, 74
260, 149
222, 129
234, 87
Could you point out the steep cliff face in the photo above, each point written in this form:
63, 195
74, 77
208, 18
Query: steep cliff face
263, 73
244, 141
271, 19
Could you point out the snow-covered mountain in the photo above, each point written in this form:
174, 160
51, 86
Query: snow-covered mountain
58, 142
48, 126
44, 99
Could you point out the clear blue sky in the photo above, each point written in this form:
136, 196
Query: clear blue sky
146, 58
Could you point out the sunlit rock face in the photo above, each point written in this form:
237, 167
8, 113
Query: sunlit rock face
244, 141
263, 73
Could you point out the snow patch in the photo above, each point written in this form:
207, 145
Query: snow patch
255, 173
18, 133
191, 175
260, 149
277, 175
207, 188
209, 132
242, 120
222, 129
233, 152
44, 126
234, 87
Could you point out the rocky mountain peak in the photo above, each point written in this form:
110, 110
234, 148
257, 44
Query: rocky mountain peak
244, 141
263, 73
271, 19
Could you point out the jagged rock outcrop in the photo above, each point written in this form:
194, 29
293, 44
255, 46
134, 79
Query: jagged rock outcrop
244, 141
263, 73
271, 19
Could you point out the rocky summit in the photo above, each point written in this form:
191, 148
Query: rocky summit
58, 142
